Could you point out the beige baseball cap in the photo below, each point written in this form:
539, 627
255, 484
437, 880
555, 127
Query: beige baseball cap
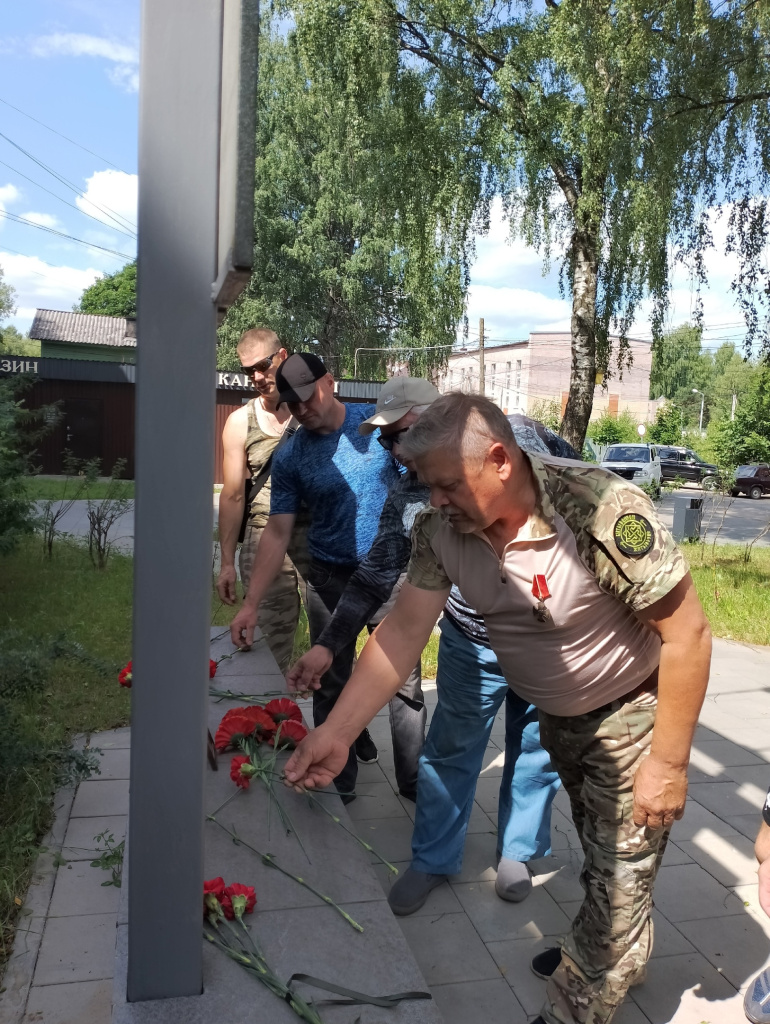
397, 397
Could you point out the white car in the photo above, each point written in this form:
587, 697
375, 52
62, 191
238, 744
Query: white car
639, 463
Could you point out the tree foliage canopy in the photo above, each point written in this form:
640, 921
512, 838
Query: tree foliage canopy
355, 244
7, 298
112, 295
610, 131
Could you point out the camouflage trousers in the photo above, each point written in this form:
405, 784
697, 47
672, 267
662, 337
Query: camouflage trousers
596, 756
279, 610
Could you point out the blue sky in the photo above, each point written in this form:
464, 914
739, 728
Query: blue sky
74, 65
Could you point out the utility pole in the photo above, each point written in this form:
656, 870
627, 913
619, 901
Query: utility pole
482, 370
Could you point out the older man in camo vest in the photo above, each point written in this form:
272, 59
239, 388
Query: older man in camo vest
593, 616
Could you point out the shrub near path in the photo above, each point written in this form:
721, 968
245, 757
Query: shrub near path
65, 629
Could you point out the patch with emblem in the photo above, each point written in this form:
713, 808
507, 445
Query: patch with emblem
633, 534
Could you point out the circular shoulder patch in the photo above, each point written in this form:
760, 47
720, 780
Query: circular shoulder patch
633, 534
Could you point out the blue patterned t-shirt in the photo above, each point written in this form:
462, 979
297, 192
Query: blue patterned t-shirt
343, 478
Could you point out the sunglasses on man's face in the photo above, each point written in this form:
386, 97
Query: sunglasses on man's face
261, 367
391, 439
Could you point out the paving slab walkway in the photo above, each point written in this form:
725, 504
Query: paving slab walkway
473, 949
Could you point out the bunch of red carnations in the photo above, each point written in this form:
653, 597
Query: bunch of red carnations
278, 723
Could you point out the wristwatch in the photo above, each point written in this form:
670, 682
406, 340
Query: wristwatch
766, 809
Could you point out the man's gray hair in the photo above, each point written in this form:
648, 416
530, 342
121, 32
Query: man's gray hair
465, 424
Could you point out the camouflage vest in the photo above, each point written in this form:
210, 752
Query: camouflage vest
259, 447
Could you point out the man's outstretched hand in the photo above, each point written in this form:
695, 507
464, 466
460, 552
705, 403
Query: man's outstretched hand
242, 627
317, 761
306, 674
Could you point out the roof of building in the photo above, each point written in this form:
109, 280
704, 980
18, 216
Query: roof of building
56, 325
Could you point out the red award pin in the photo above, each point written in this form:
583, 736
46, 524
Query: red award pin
542, 593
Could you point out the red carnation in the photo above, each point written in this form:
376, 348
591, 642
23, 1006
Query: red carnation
241, 722
242, 771
289, 735
283, 710
212, 668
213, 894
238, 900
125, 675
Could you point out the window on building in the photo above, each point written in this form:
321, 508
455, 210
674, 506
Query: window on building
518, 375
507, 376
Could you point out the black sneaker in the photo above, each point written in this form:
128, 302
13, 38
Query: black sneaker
545, 963
366, 752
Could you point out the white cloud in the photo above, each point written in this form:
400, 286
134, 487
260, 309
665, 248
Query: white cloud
111, 197
8, 194
45, 220
40, 285
511, 313
123, 56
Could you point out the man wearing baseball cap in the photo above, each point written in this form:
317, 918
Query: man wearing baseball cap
343, 478
470, 687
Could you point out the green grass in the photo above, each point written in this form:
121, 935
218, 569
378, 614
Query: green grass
735, 594
57, 490
39, 601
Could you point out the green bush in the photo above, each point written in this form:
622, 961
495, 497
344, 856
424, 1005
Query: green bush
614, 429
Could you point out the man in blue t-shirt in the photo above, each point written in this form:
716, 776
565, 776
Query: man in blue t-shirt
343, 478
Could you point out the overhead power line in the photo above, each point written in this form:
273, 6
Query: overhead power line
66, 203
116, 217
62, 135
52, 231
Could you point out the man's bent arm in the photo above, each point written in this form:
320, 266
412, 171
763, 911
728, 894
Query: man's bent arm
231, 501
270, 555
660, 789
390, 654
762, 850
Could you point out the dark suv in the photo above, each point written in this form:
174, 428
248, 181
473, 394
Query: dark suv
685, 464
753, 481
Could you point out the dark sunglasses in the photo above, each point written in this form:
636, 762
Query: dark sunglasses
261, 367
388, 442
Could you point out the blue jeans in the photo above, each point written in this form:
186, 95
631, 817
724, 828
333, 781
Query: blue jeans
471, 690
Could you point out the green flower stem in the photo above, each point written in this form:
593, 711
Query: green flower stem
269, 859
246, 698
358, 839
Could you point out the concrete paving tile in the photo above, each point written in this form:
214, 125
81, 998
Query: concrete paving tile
76, 949
375, 800
488, 794
496, 920
630, 1013
79, 843
390, 837
734, 945
563, 833
730, 859
749, 897
477, 1001
746, 824
448, 949
492, 765
479, 858
675, 855
564, 884
668, 940
114, 764
696, 817
79, 890
407, 806
480, 821
688, 893
687, 990
513, 957
723, 798
96, 799
82, 1002
756, 775
725, 752
561, 803
116, 739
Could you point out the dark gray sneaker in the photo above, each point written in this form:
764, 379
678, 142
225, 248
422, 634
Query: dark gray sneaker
409, 892
756, 1002
366, 751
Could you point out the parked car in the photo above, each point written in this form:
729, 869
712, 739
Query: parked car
753, 481
685, 464
639, 463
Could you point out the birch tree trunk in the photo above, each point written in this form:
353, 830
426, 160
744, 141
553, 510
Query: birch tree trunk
583, 326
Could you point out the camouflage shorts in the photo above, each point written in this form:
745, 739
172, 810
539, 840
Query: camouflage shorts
279, 611
596, 756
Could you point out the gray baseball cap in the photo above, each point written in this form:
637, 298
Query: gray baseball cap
397, 397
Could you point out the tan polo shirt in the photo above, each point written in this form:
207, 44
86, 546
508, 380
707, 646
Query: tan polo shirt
559, 605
